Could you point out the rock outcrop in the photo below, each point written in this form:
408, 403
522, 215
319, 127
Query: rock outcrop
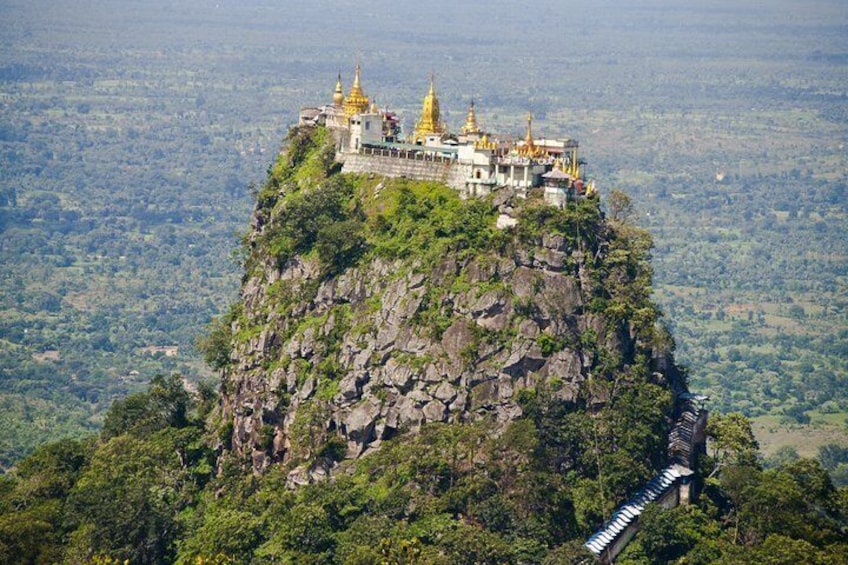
325, 367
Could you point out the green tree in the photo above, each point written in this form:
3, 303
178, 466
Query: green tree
227, 532
732, 441
165, 404
619, 206
32, 505
832, 455
126, 503
671, 535
216, 343
570, 553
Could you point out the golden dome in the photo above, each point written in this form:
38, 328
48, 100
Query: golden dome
356, 102
430, 121
338, 93
470, 121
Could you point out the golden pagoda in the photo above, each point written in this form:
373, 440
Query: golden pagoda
529, 149
356, 102
338, 94
470, 126
430, 121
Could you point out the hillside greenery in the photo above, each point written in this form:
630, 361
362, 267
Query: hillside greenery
145, 490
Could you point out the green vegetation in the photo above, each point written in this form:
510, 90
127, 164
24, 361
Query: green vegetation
341, 218
787, 514
118, 495
453, 494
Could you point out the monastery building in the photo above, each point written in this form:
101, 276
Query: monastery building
472, 161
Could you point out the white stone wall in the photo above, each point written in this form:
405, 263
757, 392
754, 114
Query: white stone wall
450, 173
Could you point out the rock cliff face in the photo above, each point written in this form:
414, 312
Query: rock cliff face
328, 363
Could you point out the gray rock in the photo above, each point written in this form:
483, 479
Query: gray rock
379, 396
489, 311
550, 259
398, 376
419, 396
456, 338
565, 365
520, 364
359, 424
508, 412
528, 329
435, 411
361, 360
276, 379
432, 374
494, 323
505, 387
484, 395
392, 418
308, 388
553, 241
445, 392
349, 387
409, 415
291, 380
460, 403
307, 342
526, 282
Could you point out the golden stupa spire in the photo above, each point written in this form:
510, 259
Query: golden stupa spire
338, 93
430, 121
356, 102
356, 87
470, 121
529, 148
574, 164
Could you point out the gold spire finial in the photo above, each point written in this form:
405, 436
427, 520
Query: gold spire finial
338, 93
470, 121
529, 148
356, 74
574, 164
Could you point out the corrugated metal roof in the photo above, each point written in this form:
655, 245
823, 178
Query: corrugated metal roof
679, 450
628, 512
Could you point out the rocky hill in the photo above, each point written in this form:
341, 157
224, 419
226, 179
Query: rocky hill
372, 307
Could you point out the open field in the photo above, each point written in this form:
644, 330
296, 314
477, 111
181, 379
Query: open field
775, 432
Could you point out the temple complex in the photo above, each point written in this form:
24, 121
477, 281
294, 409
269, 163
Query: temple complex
473, 161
